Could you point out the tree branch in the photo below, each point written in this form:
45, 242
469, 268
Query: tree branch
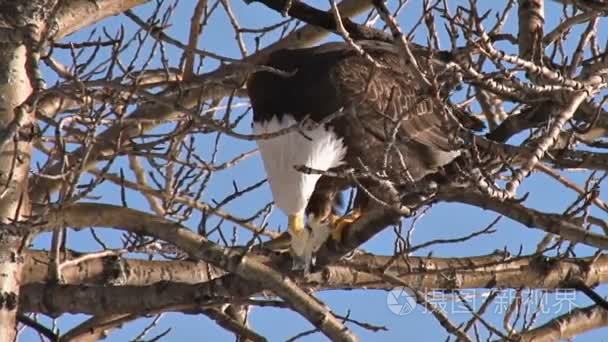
531, 218
87, 214
568, 325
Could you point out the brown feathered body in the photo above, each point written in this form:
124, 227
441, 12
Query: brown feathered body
387, 121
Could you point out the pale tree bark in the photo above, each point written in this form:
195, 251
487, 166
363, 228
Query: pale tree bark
531, 24
75, 15
15, 88
568, 326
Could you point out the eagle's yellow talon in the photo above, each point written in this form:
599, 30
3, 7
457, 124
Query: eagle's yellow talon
340, 223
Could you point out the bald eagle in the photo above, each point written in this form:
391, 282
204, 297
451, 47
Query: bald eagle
350, 114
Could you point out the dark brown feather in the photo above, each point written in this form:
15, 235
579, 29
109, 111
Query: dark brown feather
334, 77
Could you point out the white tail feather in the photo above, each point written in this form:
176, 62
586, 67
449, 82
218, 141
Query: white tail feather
318, 148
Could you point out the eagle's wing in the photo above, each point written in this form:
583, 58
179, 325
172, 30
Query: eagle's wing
388, 104
385, 96
335, 77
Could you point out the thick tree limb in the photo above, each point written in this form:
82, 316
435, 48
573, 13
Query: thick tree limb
87, 214
75, 15
531, 218
461, 273
568, 326
118, 300
531, 24
16, 87
359, 270
326, 20
114, 270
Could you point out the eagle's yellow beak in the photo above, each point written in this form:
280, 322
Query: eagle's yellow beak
295, 223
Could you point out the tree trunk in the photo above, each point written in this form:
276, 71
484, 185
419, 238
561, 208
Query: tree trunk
15, 155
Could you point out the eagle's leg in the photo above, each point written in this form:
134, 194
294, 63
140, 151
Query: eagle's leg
340, 223
300, 236
318, 227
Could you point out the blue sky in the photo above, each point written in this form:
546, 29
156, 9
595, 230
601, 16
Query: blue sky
442, 221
